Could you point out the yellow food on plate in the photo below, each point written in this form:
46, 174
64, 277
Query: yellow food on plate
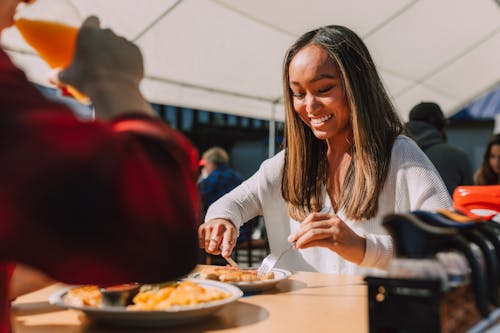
183, 293
153, 297
233, 274
84, 296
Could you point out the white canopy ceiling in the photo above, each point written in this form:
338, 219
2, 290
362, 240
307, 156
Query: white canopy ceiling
226, 55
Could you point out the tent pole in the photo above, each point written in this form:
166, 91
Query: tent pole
272, 130
496, 129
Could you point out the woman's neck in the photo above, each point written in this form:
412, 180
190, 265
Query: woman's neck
338, 164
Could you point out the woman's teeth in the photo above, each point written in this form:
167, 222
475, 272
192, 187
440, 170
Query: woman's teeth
316, 121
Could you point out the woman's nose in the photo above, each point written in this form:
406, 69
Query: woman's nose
312, 104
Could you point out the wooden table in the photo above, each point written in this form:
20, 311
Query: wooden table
307, 302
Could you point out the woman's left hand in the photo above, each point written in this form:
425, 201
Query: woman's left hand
328, 230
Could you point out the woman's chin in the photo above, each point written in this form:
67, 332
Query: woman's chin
321, 135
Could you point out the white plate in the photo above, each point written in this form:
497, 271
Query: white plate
252, 286
179, 315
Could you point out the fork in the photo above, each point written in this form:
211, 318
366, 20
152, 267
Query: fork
270, 261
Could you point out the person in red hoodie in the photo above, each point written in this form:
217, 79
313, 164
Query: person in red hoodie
107, 201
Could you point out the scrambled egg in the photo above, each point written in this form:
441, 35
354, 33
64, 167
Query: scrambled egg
184, 293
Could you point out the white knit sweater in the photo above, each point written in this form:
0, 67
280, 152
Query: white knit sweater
412, 183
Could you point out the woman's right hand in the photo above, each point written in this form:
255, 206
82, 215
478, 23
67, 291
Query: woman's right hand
218, 236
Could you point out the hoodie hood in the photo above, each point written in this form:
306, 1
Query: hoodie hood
424, 134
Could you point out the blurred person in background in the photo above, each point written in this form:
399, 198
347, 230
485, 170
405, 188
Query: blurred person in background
217, 179
427, 126
345, 165
93, 202
489, 173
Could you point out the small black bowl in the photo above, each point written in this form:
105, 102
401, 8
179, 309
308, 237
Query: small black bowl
120, 294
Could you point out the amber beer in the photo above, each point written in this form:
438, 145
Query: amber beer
54, 42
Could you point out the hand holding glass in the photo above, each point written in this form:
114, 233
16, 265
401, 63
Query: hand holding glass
51, 28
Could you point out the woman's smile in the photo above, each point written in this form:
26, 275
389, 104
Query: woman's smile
320, 120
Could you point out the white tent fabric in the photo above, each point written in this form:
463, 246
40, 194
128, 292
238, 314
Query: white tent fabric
226, 55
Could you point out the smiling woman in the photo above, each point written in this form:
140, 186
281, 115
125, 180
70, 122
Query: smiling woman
344, 149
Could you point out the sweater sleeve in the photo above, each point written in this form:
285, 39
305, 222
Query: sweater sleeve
93, 202
379, 251
240, 205
246, 201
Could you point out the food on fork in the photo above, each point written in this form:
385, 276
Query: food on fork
233, 274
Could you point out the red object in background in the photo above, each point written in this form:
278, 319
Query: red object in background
466, 199
6, 271
64, 91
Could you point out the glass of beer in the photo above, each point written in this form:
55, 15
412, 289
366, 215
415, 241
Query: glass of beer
50, 27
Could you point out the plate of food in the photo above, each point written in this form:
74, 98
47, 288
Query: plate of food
166, 304
245, 279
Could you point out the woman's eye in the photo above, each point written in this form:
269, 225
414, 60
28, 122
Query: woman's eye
325, 89
298, 95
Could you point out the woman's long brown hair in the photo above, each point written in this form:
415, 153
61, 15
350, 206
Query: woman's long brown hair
375, 126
